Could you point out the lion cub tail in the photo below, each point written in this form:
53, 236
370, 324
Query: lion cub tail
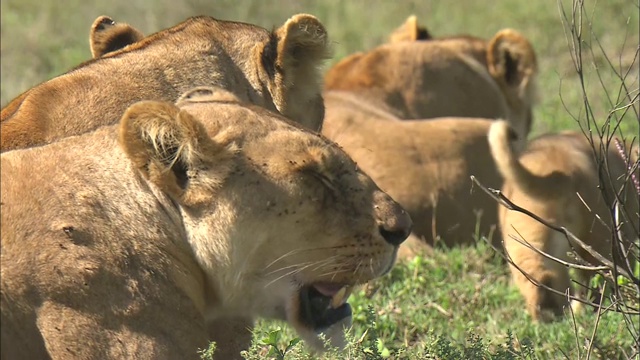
502, 140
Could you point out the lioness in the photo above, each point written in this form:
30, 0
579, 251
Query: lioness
424, 165
134, 237
460, 76
277, 70
557, 178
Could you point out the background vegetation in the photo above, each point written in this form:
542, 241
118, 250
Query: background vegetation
453, 303
43, 39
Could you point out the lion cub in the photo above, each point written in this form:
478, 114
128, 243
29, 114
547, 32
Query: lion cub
130, 241
557, 178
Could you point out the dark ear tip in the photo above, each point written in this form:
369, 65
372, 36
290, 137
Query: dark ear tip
103, 22
424, 34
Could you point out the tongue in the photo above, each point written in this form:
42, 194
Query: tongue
327, 289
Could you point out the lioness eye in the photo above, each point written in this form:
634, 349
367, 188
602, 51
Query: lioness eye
324, 180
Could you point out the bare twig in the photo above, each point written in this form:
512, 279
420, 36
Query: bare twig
500, 198
597, 322
504, 201
559, 261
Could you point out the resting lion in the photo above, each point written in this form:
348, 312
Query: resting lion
127, 241
277, 70
557, 178
416, 76
424, 165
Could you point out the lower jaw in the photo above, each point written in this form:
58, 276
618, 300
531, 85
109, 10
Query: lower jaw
317, 321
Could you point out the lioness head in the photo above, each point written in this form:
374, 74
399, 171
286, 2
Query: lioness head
278, 70
289, 61
280, 219
417, 76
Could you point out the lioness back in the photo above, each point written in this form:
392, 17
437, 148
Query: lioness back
431, 88
416, 76
424, 165
136, 237
277, 70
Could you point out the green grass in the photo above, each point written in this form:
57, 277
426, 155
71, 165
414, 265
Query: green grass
450, 297
435, 306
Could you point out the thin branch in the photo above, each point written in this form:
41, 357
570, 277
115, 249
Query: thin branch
504, 201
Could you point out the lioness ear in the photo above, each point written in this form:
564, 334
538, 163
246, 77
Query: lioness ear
173, 151
410, 31
511, 59
302, 44
292, 58
107, 36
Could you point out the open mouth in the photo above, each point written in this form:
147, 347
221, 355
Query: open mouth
324, 304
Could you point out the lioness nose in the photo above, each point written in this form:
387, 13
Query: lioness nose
394, 223
395, 235
396, 228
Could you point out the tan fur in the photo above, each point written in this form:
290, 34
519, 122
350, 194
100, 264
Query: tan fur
460, 76
137, 237
424, 165
556, 178
277, 70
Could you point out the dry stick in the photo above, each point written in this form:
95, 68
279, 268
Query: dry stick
624, 157
497, 195
535, 282
575, 24
504, 201
508, 259
525, 243
602, 163
575, 326
598, 316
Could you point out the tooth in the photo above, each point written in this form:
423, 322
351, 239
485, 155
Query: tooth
336, 300
341, 296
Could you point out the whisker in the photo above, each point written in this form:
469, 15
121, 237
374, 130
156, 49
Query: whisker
298, 268
282, 257
357, 267
296, 251
288, 267
325, 262
293, 272
334, 273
